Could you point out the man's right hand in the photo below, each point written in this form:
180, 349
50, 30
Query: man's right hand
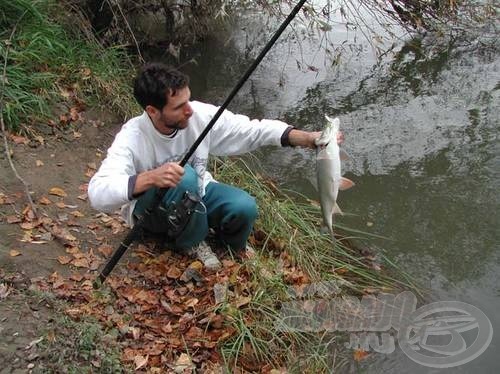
166, 175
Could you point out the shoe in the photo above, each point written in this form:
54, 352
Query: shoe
207, 256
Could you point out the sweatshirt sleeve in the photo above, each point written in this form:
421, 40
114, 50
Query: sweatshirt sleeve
235, 134
109, 188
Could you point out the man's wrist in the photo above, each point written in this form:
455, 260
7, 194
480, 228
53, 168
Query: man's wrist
285, 137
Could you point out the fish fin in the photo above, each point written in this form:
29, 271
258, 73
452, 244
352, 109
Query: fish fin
337, 210
344, 155
345, 184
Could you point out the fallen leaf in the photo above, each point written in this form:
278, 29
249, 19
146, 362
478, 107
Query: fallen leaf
19, 139
39, 163
86, 72
359, 355
76, 213
140, 361
106, 250
183, 363
64, 260
62, 234
58, 192
60, 205
174, 273
72, 250
5, 199
4, 291
75, 116
76, 134
242, 301
40, 139
76, 277
13, 219
28, 225
82, 197
80, 262
14, 253
44, 200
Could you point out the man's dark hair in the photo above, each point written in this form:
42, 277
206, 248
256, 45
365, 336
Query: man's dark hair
153, 83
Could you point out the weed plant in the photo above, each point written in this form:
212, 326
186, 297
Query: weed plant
50, 61
292, 225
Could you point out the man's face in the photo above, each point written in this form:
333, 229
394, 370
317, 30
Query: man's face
175, 114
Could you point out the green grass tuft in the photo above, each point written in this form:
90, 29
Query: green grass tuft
46, 58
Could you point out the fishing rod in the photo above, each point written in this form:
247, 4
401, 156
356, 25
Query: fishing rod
139, 225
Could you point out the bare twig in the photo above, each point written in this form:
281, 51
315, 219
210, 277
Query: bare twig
117, 4
2, 123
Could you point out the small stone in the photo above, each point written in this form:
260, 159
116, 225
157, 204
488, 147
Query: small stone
220, 291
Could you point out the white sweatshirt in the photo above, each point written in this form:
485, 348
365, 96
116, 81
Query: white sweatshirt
139, 147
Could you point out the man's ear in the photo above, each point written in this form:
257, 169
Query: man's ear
152, 111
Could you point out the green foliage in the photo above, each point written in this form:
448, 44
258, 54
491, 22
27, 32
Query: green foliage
43, 61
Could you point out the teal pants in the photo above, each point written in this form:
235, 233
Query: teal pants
228, 210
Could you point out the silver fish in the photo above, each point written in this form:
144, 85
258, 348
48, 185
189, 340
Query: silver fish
329, 173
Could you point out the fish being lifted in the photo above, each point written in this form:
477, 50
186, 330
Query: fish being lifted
329, 173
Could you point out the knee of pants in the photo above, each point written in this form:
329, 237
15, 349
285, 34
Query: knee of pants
244, 208
189, 181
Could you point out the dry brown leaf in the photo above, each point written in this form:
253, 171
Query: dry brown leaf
140, 361
58, 192
14, 253
80, 263
27, 225
196, 265
19, 139
242, 301
60, 205
82, 197
359, 355
183, 363
77, 213
5, 199
13, 219
105, 250
191, 302
86, 72
174, 273
77, 135
72, 250
64, 260
76, 277
44, 200
62, 234
4, 291
75, 116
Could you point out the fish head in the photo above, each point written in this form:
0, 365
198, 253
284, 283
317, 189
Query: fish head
329, 133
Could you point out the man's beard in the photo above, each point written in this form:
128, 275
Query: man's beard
172, 126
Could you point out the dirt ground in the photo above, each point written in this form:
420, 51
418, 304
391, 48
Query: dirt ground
62, 159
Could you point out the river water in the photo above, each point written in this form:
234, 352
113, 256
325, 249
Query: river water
421, 128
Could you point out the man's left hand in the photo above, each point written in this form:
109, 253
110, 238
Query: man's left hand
308, 138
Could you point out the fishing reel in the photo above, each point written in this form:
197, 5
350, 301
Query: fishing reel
178, 214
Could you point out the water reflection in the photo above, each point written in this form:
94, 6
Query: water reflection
422, 130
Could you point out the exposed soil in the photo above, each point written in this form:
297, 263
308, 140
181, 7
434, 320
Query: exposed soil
62, 158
